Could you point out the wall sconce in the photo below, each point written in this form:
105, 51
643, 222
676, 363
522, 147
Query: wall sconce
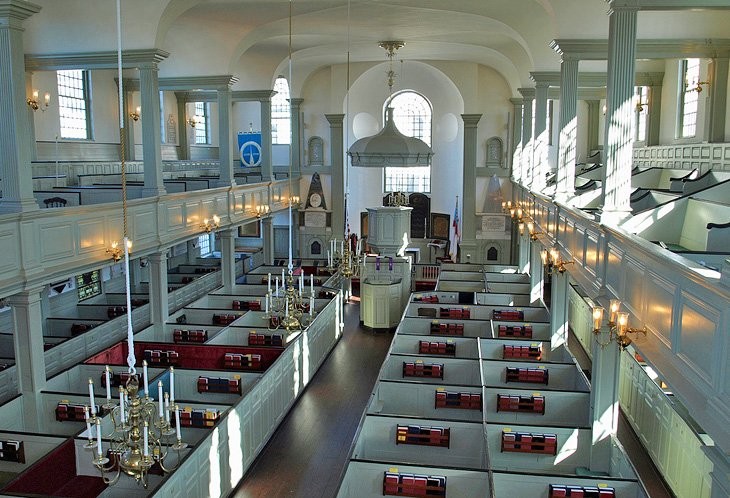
553, 261
506, 206
532, 232
640, 105
294, 201
618, 324
521, 228
210, 225
698, 86
136, 114
116, 251
35, 105
261, 210
605, 109
194, 121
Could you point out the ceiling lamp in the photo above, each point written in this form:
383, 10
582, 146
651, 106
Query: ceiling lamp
389, 147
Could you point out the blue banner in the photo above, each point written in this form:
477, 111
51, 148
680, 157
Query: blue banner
249, 149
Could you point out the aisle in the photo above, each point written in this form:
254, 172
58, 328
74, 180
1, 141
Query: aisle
308, 452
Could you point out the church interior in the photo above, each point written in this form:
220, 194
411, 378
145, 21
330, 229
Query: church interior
479, 246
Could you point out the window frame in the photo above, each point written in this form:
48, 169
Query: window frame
410, 185
205, 107
642, 93
682, 101
86, 98
281, 112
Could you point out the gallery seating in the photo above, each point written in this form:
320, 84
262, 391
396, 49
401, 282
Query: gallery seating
397, 484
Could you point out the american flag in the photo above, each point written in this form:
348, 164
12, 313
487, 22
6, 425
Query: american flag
455, 233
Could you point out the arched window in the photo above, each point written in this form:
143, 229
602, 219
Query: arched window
412, 116
280, 113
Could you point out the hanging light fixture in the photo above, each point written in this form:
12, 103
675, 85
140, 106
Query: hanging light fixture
389, 147
142, 433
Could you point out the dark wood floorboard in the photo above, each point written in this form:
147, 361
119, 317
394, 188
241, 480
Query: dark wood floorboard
309, 451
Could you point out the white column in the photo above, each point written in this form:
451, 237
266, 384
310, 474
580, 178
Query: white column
567, 140
619, 114
717, 99
469, 189
528, 95
594, 122
296, 136
183, 152
338, 175
151, 135
29, 353
516, 151
267, 172
15, 142
193, 251
228, 258
159, 303
537, 275
540, 167
225, 156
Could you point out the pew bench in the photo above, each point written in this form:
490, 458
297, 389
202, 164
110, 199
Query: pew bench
422, 435
416, 485
514, 403
464, 401
529, 442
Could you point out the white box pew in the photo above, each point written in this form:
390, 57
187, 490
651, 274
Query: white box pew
561, 376
466, 267
506, 269
34, 448
422, 326
254, 289
198, 269
455, 371
201, 317
100, 194
462, 276
656, 178
540, 330
75, 380
477, 312
410, 344
508, 288
94, 312
91, 179
505, 299
514, 278
8, 380
419, 400
119, 298
522, 485
71, 198
573, 450
709, 179
561, 408
238, 336
376, 441
459, 286
443, 297
365, 480
167, 331
180, 278
257, 319
493, 349
186, 386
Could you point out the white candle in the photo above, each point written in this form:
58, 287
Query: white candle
342, 247
159, 397
146, 439
282, 277
98, 437
146, 379
121, 405
287, 308
277, 286
172, 385
329, 263
268, 282
108, 384
267, 303
301, 282
167, 407
311, 305
177, 423
311, 284
88, 422
91, 397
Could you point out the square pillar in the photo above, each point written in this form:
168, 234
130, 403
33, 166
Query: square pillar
183, 151
151, 134
159, 302
267, 172
718, 73
337, 204
296, 136
267, 229
528, 95
605, 371
469, 188
559, 310
225, 178
568, 137
516, 151
228, 258
541, 166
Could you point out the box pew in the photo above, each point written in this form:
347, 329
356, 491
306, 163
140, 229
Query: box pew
55, 474
494, 349
643, 200
379, 440
181, 278
365, 480
171, 186
465, 267
559, 376
453, 328
253, 289
204, 317
63, 413
119, 298
75, 380
520, 330
459, 286
513, 484
8, 380
709, 179
515, 278
572, 448
506, 299
257, 319
201, 357
195, 334
222, 302
435, 297
508, 288
100, 194
239, 336
453, 347
72, 198
205, 386
90, 179
11, 412
532, 314
437, 370
20, 450
419, 400
537, 407
462, 276
657, 178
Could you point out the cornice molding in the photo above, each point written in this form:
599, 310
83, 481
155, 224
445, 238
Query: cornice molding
95, 60
189, 83
598, 80
667, 4
16, 11
199, 96
252, 95
527, 93
593, 49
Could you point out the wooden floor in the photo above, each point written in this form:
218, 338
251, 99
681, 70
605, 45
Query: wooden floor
308, 453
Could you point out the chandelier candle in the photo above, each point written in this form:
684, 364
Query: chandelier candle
88, 422
98, 437
268, 282
91, 397
146, 439
177, 423
311, 284
172, 385
121, 405
167, 407
108, 384
146, 379
159, 398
